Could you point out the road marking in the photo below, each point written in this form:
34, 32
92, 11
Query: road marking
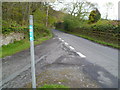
62, 40
71, 48
66, 43
81, 55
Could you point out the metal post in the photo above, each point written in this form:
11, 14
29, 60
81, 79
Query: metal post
32, 51
47, 15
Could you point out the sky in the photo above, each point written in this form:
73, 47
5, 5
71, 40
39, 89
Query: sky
112, 13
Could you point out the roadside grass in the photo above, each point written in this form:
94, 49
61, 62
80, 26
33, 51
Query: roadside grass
93, 39
17, 46
97, 41
53, 86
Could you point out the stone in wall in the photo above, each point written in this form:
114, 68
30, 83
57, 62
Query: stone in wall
6, 39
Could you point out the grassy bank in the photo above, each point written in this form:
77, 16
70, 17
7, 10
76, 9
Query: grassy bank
55, 86
97, 41
93, 39
10, 49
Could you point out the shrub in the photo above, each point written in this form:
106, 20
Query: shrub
40, 31
70, 23
103, 27
59, 25
94, 16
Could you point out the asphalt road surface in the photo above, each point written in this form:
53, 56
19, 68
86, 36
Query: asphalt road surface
97, 63
104, 56
97, 54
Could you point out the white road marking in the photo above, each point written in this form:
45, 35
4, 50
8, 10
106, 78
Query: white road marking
62, 40
81, 55
83, 65
66, 43
71, 48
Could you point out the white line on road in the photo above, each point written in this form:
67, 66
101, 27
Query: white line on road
60, 39
81, 55
66, 43
71, 48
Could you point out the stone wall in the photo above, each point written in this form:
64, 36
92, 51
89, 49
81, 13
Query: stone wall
6, 39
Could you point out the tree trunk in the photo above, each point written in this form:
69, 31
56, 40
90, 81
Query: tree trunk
47, 16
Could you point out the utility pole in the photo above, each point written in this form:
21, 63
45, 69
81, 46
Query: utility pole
32, 51
47, 12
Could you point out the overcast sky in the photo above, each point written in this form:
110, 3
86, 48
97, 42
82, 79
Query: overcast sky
112, 14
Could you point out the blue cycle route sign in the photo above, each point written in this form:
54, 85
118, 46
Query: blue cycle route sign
31, 32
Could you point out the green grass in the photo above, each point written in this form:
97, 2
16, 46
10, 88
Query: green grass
97, 41
53, 87
17, 46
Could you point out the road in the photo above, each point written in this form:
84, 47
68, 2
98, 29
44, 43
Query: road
99, 63
97, 54
103, 56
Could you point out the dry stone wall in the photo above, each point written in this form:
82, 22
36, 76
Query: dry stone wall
6, 39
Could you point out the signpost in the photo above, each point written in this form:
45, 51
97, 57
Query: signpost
32, 51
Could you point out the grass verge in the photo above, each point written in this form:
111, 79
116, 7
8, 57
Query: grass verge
17, 46
54, 86
94, 39
97, 41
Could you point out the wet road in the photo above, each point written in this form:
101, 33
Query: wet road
100, 63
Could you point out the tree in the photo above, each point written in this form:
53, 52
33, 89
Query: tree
108, 6
16, 14
94, 16
47, 12
80, 8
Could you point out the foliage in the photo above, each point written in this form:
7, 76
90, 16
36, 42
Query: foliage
94, 16
16, 17
103, 30
79, 8
17, 46
70, 23
54, 86
97, 40
39, 16
7, 30
40, 31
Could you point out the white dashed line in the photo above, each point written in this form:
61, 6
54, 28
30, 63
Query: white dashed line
66, 43
62, 40
81, 55
71, 48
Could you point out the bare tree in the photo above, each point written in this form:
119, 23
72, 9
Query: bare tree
79, 8
108, 7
